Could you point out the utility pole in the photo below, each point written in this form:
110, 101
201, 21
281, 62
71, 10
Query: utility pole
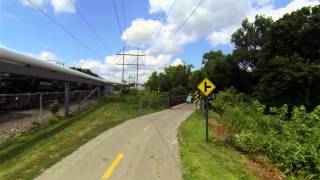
131, 64
137, 68
123, 65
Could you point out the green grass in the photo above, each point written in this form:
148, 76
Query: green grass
207, 161
28, 155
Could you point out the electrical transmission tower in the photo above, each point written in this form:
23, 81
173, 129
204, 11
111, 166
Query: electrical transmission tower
123, 54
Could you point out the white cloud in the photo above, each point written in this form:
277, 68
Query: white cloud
63, 6
211, 16
44, 55
222, 37
177, 62
214, 20
262, 2
292, 6
59, 6
141, 32
109, 68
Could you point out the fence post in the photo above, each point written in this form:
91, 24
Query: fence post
140, 104
41, 108
66, 98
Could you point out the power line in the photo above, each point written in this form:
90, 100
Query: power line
125, 19
183, 23
116, 11
164, 21
89, 25
137, 55
63, 29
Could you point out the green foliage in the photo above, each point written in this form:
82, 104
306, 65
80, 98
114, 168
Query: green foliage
289, 81
129, 91
212, 160
225, 72
249, 39
86, 71
54, 120
170, 79
35, 124
276, 61
28, 155
195, 78
54, 107
178, 90
290, 139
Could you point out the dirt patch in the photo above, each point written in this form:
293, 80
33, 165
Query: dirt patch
255, 164
262, 171
219, 131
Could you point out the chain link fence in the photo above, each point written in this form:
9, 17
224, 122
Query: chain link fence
20, 112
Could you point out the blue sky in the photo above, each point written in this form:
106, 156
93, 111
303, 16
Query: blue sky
24, 29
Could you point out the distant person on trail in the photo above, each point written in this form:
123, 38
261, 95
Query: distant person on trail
189, 98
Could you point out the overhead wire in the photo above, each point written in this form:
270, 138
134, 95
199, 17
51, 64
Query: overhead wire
164, 21
118, 20
183, 23
125, 18
64, 29
89, 25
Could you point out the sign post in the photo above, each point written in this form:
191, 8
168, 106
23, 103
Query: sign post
156, 95
206, 87
196, 96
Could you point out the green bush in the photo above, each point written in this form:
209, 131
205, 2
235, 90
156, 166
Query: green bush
178, 91
35, 124
114, 98
54, 107
290, 139
129, 91
54, 120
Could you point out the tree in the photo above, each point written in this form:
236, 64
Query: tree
288, 68
225, 72
173, 77
86, 71
295, 33
195, 78
153, 81
249, 39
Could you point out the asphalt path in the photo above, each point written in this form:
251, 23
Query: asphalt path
144, 148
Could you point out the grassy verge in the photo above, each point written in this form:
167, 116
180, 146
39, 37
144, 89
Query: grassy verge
207, 161
28, 155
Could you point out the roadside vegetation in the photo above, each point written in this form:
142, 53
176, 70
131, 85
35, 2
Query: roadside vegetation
275, 61
290, 140
273, 109
212, 160
31, 153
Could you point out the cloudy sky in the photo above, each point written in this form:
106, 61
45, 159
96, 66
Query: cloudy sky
91, 36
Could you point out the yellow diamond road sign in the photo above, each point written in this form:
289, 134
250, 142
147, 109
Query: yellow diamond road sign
206, 87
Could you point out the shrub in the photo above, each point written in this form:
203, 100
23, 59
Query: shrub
54, 107
248, 141
35, 124
53, 119
290, 139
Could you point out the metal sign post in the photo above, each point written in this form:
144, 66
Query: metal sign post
206, 87
196, 96
207, 109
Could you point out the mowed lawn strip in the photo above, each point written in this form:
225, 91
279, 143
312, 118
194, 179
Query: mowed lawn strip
30, 154
207, 161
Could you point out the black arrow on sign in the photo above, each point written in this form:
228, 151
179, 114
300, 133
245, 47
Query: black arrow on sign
206, 86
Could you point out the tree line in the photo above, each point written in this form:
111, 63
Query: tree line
277, 62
